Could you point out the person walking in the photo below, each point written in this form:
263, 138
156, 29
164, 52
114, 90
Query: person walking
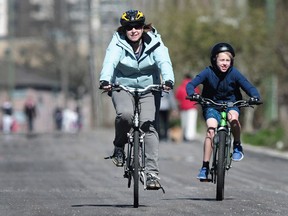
58, 118
7, 118
222, 83
137, 57
168, 107
188, 110
30, 113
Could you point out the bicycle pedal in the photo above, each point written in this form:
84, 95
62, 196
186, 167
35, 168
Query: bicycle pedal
205, 180
149, 188
156, 188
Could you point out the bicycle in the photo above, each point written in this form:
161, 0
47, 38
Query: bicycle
134, 166
222, 155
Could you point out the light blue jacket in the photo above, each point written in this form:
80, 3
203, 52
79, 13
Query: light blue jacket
121, 65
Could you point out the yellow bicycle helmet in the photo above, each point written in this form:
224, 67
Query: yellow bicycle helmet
132, 17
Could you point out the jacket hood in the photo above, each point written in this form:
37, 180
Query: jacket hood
219, 73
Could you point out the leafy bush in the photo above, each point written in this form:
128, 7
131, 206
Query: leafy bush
265, 137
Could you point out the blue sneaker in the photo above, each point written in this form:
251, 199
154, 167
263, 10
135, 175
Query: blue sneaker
237, 153
203, 174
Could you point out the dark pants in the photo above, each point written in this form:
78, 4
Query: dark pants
30, 124
164, 124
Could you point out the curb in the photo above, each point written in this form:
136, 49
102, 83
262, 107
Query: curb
267, 151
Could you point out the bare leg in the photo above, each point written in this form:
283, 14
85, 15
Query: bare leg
208, 142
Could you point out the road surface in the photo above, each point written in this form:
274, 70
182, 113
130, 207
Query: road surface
66, 174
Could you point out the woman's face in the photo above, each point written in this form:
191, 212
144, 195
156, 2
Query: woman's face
223, 61
134, 33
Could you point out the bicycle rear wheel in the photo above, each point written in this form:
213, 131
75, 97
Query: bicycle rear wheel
136, 168
221, 166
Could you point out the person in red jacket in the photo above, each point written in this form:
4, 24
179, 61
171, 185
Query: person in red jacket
188, 110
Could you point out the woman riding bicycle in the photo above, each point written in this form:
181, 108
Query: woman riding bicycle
136, 57
221, 82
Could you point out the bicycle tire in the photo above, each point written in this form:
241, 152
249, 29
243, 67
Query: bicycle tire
221, 167
136, 168
213, 170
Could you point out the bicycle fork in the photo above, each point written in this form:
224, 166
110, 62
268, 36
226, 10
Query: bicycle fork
142, 160
141, 157
228, 154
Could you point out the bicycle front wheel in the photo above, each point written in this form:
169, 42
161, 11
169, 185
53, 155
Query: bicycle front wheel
221, 166
136, 168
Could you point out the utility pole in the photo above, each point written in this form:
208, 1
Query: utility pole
272, 94
64, 68
91, 47
10, 50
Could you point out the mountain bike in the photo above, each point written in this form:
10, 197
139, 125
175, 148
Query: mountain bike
134, 166
222, 154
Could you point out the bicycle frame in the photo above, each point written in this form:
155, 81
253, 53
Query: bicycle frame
128, 168
221, 160
225, 128
222, 155
134, 165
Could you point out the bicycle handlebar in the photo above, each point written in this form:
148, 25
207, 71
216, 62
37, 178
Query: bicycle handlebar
209, 102
142, 91
153, 87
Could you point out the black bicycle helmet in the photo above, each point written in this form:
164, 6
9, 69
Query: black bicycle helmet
218, 48
132, 17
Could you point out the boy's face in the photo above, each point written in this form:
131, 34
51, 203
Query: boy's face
223, 61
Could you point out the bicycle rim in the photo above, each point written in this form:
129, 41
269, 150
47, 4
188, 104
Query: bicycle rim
221, 166
136, 168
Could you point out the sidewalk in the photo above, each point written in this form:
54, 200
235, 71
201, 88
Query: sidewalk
267, 151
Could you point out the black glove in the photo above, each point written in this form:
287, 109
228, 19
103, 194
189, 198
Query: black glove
169, 84
103, 83
195, 96
254, 100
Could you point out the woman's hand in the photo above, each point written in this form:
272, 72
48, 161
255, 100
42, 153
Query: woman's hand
168, 85
105, 85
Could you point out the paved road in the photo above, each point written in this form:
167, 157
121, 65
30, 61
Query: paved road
61, 175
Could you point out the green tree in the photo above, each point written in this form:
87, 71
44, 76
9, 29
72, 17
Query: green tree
190, 32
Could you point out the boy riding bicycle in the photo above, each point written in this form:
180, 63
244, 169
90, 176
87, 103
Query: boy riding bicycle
221, 82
